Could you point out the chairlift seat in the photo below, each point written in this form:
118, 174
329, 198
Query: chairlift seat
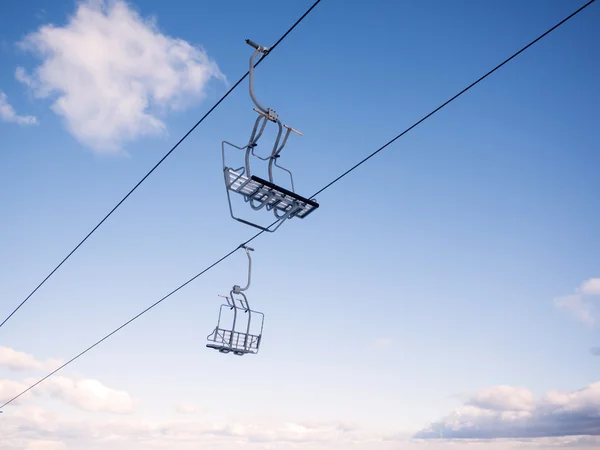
273, 196
237, 342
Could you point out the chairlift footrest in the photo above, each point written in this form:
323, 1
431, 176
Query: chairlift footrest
226, 349
239, 343
275, 197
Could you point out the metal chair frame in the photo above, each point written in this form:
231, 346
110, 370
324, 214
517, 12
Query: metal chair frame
229, 339
258, 192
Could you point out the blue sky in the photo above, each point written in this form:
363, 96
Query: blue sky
450, 264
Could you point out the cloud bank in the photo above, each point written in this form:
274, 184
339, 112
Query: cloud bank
111, 72
32, 424
34, 428
508, 412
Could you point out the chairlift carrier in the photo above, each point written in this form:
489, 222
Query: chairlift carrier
258, 192
227, 339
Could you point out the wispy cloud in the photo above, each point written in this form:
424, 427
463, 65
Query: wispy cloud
580, 304
513, 413
113, 72
8, 113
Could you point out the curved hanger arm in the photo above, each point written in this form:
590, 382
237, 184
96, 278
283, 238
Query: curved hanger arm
237, 289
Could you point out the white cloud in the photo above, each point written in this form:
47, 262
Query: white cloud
580, 304
10, 389
89, 395
112, 72
8, 113
85, 394
29, 426
186, 408
579, 307
33, 424
558, 413
504, 398
591, 287
15, 360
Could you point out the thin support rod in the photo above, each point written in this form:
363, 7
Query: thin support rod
253, 140
248, 327
289, 172
234, 320
276, 150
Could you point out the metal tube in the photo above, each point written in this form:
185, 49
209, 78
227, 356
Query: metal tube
291, 176
248, 250
262, 128
234, 320
251, 83
247, 307
274, 152
223, 151
287, 135
247, 161
252, 44
277, 151
253, 140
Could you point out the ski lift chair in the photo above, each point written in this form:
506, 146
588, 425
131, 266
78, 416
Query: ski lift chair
256, 191
237, 337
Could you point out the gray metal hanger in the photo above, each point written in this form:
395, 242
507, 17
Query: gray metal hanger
227, 339
260, 193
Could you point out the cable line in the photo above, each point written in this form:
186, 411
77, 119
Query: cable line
447, 102
319, 191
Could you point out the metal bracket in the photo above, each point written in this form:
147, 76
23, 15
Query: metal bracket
260, 48
271, 114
